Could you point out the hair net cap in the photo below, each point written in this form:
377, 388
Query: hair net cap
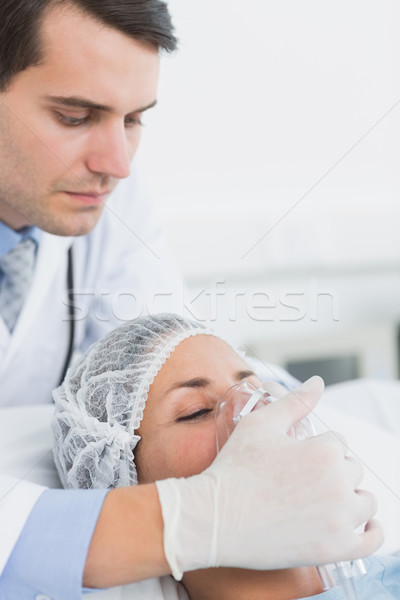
100, 404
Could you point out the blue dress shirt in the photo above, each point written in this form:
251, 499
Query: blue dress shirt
49, 558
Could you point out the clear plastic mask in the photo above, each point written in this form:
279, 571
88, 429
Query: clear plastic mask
242, 399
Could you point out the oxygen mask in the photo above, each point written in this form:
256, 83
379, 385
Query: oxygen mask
237, 402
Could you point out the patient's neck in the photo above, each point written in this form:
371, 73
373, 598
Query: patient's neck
236, 584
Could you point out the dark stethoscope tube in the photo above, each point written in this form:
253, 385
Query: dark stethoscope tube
71, 315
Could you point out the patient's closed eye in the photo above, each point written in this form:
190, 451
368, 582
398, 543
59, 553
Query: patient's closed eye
196, 415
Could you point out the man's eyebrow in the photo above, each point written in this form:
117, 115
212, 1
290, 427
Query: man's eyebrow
202, 382
76, 101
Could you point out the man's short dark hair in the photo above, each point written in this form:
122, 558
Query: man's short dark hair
147, 21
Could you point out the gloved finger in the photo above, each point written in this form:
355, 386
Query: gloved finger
367, 506
297, 404
335, 449
332, 441
275, 389
355, 470
341, 439
368, 542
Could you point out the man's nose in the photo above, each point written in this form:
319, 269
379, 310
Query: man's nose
111, 152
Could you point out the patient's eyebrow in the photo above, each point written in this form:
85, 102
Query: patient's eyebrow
243, 374
202, 382
78, 102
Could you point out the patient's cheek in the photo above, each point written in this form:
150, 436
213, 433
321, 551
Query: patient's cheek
194, 455
175, 456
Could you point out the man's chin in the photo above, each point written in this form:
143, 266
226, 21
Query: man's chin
75, 226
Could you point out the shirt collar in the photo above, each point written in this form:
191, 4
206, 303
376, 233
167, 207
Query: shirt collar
9, 238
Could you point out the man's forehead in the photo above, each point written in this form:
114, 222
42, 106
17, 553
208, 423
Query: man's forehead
86, 60
68, 32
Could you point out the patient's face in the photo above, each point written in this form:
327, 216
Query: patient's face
178, 426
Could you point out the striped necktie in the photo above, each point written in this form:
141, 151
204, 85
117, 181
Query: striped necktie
17, 268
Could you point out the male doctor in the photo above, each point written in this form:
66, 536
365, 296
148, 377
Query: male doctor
76, 77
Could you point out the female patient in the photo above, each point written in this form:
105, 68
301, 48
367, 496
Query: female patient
140, 407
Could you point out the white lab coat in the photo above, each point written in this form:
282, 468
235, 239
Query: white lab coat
124, 253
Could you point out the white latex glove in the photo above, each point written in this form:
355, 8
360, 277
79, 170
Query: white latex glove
269, 501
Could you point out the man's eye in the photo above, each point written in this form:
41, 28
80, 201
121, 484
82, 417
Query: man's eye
71, 121
131, 121
196, 415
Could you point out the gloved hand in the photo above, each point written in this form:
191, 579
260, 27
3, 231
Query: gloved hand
269, 501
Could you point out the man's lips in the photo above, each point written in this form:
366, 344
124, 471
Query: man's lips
90, 196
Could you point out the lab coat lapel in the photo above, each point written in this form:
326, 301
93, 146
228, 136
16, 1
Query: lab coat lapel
51, 258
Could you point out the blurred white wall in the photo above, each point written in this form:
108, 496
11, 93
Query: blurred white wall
273, 157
